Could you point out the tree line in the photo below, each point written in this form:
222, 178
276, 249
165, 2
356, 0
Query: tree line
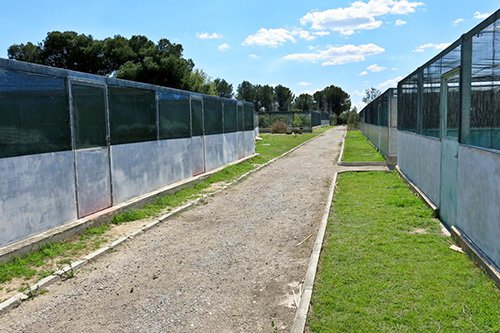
139, 59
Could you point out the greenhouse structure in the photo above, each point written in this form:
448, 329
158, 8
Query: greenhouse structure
73, 144
449, 134
378, 122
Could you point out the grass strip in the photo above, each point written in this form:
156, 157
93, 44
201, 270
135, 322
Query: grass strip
386, 267
34, 264
358, 149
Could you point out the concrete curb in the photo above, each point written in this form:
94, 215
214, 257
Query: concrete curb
299, 321
342, 149
362, 163
17, 299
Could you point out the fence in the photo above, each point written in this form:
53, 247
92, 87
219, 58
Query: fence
449, 133
72, 144
378, 122
286, 122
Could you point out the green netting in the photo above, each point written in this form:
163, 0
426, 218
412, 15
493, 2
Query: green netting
196, 117
34, 114
212, 108
230, 117
174, 115
485, 89
408, 104
132, 115
89, 110
248, 124
241, 118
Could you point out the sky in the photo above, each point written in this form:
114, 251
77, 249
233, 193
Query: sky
303, 45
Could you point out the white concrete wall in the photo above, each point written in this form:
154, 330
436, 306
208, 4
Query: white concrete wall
478, 199
249, 143
419, 158
393, 141
93, 180
138, 168
37, 193
230, 147
214, 148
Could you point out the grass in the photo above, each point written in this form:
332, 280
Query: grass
35, 264
385, 267
358, 149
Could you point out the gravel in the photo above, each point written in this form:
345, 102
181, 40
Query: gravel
229, 264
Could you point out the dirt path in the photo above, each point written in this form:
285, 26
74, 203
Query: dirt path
231, 264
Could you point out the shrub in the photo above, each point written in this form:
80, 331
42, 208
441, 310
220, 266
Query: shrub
279, 127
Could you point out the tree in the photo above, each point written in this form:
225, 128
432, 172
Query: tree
245, 91
336, 100
223, 88
370, 95
137, 58
284, 97
318, 98
200, 82
264, 98
304, 102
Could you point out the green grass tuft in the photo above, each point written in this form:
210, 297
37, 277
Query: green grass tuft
358, 149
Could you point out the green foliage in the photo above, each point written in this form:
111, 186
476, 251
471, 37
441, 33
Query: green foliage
284, 97
378, 274
137, 58
353, 120
370, 95
304, 102
223, 88
200, 82
358, 149
332, 99
245, 91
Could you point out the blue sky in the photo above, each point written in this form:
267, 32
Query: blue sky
304, 45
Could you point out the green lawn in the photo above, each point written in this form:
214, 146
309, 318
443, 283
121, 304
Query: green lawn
35, 264
385, 267
358, 149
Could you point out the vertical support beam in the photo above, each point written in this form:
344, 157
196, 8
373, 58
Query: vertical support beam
420, 100
465, 88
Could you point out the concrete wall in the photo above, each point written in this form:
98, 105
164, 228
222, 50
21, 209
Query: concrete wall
214, 148
249, 143
393, 141
230, 147
138, 168
478, 199
37, 192
419, 158
93, 180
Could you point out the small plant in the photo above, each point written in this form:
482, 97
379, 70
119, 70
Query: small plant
279, 127
30, 292
65, 274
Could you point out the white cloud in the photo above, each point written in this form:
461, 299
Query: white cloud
304, 84
481, 16
400, 22
269, 37
363, 73
458, 21
391, 83
338, 55
254, 56
304, 34
206, 35
224, 47
439, 47
376, 68
359, 16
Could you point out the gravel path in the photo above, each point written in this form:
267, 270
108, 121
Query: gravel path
230, 264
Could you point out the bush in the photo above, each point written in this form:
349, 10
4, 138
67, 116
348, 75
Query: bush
352, 120
279, 127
